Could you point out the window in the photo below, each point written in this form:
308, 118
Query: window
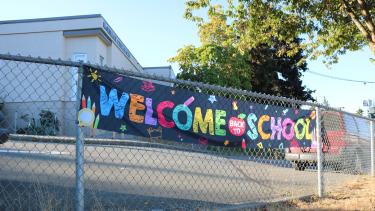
76, 58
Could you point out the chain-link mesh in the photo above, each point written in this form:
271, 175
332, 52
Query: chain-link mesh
346, 147
37, 108
125, 172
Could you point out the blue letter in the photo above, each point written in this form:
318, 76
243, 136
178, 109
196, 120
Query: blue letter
106, 103
252, 133
189, 117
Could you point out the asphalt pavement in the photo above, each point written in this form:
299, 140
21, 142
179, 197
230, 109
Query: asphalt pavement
147, 178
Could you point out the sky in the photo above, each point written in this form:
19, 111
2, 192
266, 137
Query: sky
154, 30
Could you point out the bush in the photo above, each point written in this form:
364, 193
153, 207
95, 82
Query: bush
48, 125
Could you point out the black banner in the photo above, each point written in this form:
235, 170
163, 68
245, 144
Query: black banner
141, 107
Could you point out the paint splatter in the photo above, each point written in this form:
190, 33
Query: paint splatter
226, 143
123, 128
234, 105
294, 143
203, 141
86, 116
212, 99
251, 107
281, 146
180, 137
296, 111
173, 92
260, 145
118, 79
285, 111
313, 115
189, 101
155, 133
147, 86
265, 107
243, 144
94, 76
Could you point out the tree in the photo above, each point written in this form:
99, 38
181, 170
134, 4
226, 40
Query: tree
213, 64
331, 27
359, 112
266, 68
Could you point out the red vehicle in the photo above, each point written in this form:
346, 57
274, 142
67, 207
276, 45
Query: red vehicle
346, 144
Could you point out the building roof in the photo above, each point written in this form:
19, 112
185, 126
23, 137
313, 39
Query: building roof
52, 19
102, 29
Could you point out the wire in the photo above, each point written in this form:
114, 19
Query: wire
341, 79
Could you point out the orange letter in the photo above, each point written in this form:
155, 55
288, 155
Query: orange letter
135, 104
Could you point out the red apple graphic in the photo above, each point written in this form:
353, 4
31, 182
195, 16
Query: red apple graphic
237, 125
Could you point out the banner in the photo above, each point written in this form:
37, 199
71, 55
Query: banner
147, 108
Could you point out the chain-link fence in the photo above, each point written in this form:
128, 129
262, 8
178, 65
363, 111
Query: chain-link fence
50, 162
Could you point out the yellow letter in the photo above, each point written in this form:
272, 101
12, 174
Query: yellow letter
300, 133
308, 134
262, 119
208, 121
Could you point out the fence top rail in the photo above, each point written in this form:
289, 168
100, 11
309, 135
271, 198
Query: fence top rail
60, 62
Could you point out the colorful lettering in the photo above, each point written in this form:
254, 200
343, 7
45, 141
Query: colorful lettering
276, 128
149, 112
203, 124
252, 133
107, 102
308, 134
135, 105
189, 117
299, 132
161, 118
262, 119
219, 121
288, 123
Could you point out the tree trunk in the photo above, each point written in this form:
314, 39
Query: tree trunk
372, 47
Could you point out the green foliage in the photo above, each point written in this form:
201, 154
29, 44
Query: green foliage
213, 64
359, 112
330, 28
48, 125
232, 55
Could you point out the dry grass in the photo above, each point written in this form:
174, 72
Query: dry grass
357, 195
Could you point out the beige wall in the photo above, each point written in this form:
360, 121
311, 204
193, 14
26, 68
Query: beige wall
28, 88
44, 44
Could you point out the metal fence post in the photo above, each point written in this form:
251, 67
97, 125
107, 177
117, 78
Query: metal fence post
79, 151
319, 153
372, 147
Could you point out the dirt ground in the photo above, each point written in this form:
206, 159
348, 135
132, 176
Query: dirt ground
357, 195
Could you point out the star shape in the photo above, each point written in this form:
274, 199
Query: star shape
123, 128
212, 98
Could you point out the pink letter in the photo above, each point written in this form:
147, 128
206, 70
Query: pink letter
288, 136
276, 128
161, 118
